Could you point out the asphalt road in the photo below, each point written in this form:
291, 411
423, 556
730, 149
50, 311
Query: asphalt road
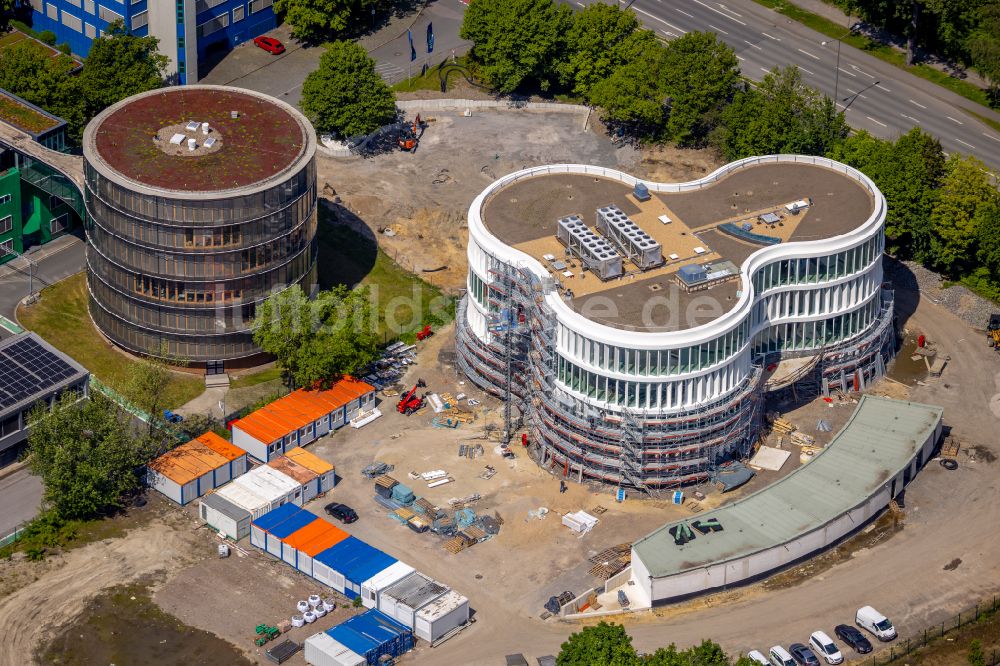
59, 259
879, 97
393, 59
20, 496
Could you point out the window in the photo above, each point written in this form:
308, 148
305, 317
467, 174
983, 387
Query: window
75, 3
202, 5
180, 43
108, 15
38, 6
214, 25
52, 12
72, 22
89, 30
258, 5
6, 247
4, 198
58, 224
10, 425
140, 20
88, 6
6, 224
238, 13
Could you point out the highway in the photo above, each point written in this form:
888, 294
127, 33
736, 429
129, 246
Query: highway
879, 97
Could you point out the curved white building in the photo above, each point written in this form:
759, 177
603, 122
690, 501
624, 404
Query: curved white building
636, 326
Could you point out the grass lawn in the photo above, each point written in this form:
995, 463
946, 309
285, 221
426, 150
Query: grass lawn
430, 80
404, 302
882, 52
60, 316
266, 375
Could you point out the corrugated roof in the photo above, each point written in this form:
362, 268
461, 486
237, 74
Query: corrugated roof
330, 537
878, 442
365, 567
300, 408
367, 632
341, 554
242, 496
286, 528
260, 486
289, 467
221, 446
306, 533
415, 590
225, 507
276, 516
309, 460
187, 462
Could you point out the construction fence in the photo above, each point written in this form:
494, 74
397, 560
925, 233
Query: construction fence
903, 647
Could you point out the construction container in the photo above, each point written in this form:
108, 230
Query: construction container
365, 568
292, 544
326, 564
308, 479
403, 599
267, 531
325, 541
403, 494
262, 489
221, 514
326, 476
348, 564
372, 635
322, 650
301, 417
195, 468
440, 616
373, 587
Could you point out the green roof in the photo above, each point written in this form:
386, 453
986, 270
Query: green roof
878, 442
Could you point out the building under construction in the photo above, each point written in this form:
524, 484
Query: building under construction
637, 352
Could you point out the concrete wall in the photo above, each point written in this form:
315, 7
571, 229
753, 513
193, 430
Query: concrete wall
163, 26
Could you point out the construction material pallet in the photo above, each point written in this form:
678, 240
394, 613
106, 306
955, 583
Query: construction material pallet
458, 543
606, 570
950, 447
612, 553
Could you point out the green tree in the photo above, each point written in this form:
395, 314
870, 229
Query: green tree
634, 94
601, 645
700, 76
965, 188
284, 323
85, 455
976, 657
120, 65
316, 20
601, 39
45, 82
345, 96
145, 387
781, 115
516, 42
987, 224
984, 44
708, 653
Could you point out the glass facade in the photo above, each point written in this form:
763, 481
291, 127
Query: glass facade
182, 277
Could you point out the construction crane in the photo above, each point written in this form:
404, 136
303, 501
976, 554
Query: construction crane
410, 402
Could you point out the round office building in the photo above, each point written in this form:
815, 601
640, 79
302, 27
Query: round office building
201, 202
634, 328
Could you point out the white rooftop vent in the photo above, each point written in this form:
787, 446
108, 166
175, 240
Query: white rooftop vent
192, 144
699, 250
177, 139
210, 142
234, 114
204, 128
192, 126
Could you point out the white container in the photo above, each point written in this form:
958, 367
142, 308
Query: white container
321, 650
309, 617
302, 606
319, 611
441, 616
297, 621
313, 600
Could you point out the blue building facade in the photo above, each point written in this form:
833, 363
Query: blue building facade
187, 29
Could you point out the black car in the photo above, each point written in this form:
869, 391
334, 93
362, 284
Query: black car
803, 655
341, 512
853, 637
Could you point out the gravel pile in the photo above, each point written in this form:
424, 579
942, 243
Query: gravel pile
972, 308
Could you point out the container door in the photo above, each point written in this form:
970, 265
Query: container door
422, 629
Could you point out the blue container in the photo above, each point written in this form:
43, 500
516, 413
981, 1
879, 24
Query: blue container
276, 516
364, 568
372, 635
294, 523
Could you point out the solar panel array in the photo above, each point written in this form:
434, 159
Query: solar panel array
26, 368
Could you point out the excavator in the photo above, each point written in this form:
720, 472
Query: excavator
410, 133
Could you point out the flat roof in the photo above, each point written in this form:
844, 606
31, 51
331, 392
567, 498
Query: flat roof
187, 462
25, 116
310, 461
31, 368
879, 440
290, 468
224, 506
525, 215
266, 139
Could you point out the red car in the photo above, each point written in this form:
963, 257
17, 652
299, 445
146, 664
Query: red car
269, 44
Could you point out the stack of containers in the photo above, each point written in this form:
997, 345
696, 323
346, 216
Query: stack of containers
325, 541
325, 474
372, 587
345, 566
361, 640
319, 531
268, 531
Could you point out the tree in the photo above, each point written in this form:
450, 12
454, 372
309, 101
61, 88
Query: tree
601, 39
634, 95
708, 653
987, 223
120, 65
976, 657
45, 82
700, 76
965, 188
516, 42
345, 96
600, 645
316, 20
85, 455
781, 115
984, 44
146, 387
317, 342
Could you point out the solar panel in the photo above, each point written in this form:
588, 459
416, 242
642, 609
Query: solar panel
27, 368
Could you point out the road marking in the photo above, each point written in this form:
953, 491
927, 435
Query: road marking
718, 12
814, 57
879, 85
966, 143
684, 12
581, 4
739, 57
875, 121
727, 9
910, 118
990, 136
858, 69
753, 45
770, 36
853, 92
917, 104
657, 18
848, 73
766, 71
954, 121
719, 30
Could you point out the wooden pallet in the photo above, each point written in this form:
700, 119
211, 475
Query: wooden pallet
606, 570
622, 549
475, 532
458, 543
404, 513
782, 427
428, 508
950, 447
801, 439
497, 517
385, 481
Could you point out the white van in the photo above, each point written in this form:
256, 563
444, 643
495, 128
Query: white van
825, 647
878, 624
757, 658
779, 656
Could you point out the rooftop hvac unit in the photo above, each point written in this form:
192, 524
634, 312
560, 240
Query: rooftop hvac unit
641, 192
640, 248
596, 253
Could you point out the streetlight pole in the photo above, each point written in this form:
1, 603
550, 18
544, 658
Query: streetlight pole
836, 74
31, 266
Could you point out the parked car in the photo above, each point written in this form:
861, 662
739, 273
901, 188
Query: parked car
870, 619
757, 658
779, 656
853, 637
269, 44
822, 645
803, 655
341, 512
